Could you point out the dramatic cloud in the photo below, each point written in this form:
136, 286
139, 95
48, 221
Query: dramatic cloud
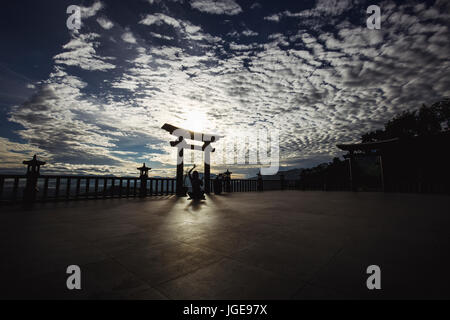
255, 5
249, 33
12, 153
324, 9
87, 12
320, 79
227, 7
158, 19
80, 51
128, 37
105, 23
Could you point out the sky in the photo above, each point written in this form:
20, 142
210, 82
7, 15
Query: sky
92, 100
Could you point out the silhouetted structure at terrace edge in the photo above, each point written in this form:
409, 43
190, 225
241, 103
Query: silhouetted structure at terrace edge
410, 164
143, 177
33, 172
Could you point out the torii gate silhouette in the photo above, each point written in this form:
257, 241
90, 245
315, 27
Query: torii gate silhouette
181, 144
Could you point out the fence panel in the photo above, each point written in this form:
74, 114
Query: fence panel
53, 187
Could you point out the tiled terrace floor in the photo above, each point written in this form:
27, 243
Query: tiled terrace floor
271, 245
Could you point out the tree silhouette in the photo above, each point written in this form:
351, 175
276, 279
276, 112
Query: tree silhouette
427, 120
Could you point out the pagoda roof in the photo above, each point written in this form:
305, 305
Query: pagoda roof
367, 145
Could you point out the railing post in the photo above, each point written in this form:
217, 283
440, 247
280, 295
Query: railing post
68, 188
105, 187
96, 188
2, 181
77, 192
87, 188
58, 182
282, 181
112, 187
44, 196
15, 188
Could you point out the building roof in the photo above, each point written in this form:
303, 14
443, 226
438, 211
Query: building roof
367, 146
423, 141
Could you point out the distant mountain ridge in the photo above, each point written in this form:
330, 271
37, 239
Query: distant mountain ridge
292, 174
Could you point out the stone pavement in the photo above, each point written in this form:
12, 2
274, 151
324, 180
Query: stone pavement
271, 245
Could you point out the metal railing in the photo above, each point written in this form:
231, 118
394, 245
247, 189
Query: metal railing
58, 187
65, 187
13, 188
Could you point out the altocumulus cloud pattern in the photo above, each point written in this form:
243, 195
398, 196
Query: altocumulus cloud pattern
93, 100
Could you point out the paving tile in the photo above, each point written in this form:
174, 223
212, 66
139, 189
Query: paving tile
290, 261
105, 279
163, 262
229, 279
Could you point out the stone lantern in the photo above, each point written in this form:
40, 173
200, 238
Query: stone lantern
144, 171
33, 173
227, 180
143, 176
260, 182
282, 184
